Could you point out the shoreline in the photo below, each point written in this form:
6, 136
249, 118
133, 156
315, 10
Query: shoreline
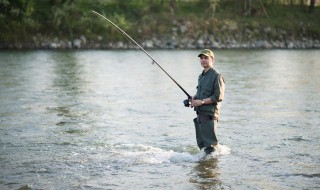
82, 43
122, 46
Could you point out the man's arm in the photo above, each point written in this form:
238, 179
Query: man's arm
219, 88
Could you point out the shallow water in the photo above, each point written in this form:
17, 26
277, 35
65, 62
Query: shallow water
112, 120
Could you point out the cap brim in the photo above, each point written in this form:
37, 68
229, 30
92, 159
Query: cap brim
203, 54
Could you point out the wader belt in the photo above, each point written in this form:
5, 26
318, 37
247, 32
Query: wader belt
204, 118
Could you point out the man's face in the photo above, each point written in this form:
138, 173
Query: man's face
206, 61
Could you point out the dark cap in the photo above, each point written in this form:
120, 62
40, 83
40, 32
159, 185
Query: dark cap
206, 52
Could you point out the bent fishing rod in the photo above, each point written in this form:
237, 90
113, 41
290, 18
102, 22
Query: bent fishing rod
153, 60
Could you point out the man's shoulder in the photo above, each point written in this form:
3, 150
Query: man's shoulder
215, 71
217, 75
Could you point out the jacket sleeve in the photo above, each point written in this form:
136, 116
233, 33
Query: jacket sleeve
218, 90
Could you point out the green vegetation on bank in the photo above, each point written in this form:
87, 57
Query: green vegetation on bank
243, 20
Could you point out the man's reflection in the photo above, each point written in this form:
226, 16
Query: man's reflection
205, 174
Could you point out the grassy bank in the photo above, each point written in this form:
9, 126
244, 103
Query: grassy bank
222, 21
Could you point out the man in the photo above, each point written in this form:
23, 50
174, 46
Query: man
210, 93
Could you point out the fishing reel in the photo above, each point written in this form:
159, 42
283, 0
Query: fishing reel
186, 103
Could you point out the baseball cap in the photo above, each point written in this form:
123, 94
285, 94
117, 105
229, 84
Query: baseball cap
206, 52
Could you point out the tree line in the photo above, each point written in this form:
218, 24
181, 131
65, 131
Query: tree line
20, 19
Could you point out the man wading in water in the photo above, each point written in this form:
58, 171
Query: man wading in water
210, 93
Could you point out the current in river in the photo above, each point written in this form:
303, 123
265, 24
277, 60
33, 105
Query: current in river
102, 119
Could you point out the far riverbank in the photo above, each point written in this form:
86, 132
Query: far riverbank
174, 42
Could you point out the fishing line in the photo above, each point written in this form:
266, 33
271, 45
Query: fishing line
153, 60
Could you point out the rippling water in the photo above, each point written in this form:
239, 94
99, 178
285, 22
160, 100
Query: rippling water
111, 120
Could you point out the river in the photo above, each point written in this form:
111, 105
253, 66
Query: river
99, 119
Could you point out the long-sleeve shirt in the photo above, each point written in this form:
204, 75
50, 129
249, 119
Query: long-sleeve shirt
210, 85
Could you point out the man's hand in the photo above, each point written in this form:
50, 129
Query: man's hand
196, 103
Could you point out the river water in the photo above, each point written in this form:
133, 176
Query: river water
112, 120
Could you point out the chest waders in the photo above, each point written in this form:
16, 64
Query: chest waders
206, 132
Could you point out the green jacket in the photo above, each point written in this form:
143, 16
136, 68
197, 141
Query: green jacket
210, 85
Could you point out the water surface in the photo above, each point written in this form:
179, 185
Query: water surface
112, 120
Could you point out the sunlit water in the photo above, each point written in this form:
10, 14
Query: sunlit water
112, 120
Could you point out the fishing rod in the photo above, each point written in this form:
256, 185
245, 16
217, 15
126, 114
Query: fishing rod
153, 61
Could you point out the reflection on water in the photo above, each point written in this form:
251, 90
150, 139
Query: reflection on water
205, 174
68, 75
68, 87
